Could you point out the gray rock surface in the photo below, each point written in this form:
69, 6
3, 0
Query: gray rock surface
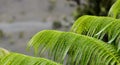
27, 16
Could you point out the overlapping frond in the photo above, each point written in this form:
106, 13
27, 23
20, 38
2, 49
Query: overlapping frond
20, 59
73, 49
3, 53
103, 28
115, 10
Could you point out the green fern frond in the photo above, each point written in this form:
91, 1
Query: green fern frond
20, 59
73, 49
3, 53
115, 10
91, 24
103, 28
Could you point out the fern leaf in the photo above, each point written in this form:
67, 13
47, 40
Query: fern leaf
20, 59
73, 49
103, 28
115, 10
3, 53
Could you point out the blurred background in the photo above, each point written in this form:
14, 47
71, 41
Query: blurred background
21, 19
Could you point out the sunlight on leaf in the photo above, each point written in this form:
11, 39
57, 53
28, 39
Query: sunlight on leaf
3, 52
20, 59
73, 49
103, 28
115, 10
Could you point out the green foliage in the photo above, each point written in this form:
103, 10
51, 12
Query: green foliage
92, 7
103, 28
69, 48
73, 49
3, 53
115, 10
20, 59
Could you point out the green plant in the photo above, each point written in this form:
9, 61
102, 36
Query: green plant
20, 59
115, 10
103, 28
92, 7
3, 52
93, 40
74, 49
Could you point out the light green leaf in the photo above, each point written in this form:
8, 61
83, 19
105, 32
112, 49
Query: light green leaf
73, 49
103, 28
115, 10
20, 59
3, 52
